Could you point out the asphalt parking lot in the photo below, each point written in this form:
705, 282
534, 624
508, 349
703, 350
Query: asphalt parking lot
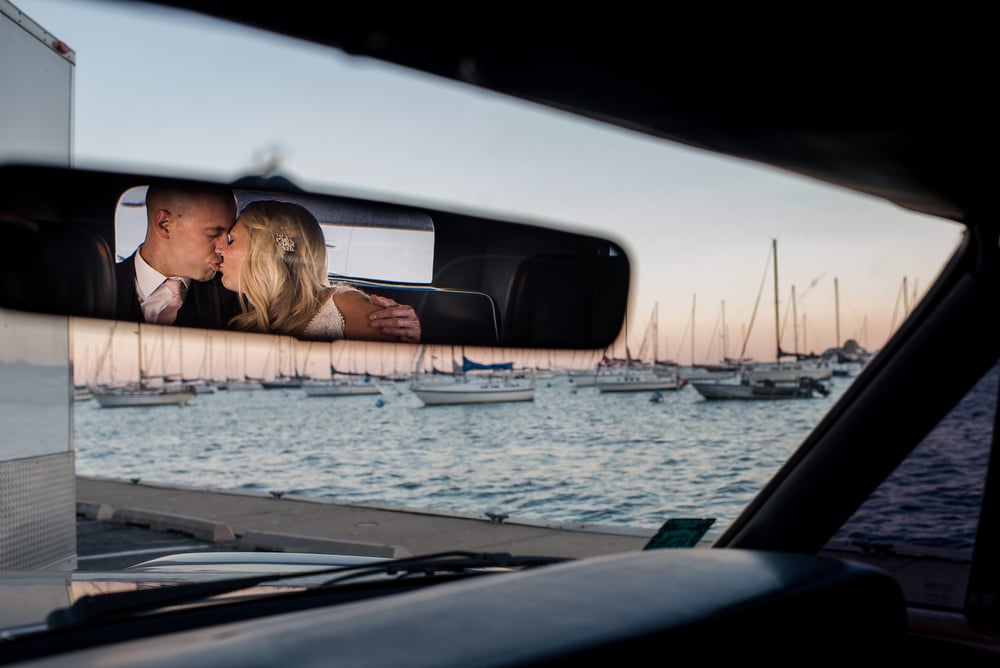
102, 545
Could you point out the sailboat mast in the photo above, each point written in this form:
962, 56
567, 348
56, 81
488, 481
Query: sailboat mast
836, 308
725, 333
656, 330
138, 335
694, 298
795, 324
777, 326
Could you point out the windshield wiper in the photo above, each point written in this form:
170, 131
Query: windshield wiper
104, 607
453, 562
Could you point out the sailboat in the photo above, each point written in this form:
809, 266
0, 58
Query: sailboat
776, 381
705, 371
340, 384
638, 376
475, 383
141, 393
244, 383
282, 380
203, 383
804, 366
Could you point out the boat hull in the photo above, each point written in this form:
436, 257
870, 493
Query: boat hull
338, 389
637, 384
779, 374
583, 380
242, 385
473, 393
757, 391
142, 397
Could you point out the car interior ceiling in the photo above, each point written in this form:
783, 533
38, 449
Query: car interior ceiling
872, 117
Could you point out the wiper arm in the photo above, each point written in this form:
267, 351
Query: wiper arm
113, 605
122, 604
454, 562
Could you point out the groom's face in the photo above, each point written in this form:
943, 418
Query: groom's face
194, 234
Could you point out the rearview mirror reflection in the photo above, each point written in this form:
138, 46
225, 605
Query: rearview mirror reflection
467, 280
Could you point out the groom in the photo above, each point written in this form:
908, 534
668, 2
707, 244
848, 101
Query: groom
183, 222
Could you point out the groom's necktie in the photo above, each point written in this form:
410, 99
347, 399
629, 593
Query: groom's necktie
169, 312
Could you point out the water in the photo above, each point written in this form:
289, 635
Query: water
573, 455
933, 497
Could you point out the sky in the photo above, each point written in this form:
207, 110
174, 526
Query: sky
152, 94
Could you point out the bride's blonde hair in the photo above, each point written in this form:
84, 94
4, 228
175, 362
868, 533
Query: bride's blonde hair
284, 275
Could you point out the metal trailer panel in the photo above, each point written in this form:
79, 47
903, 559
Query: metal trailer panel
37, 463
37, 79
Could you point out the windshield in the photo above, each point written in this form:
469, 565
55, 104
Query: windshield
734, 265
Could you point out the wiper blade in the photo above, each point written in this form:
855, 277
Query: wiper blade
104, 607
122, 604
454, 562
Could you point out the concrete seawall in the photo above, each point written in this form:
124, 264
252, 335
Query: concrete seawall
258, 521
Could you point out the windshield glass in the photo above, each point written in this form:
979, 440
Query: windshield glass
733, 264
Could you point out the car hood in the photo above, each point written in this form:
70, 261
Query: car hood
30, 596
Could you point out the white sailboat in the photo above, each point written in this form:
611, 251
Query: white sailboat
638, 376
476, 384
142, 393
639, 379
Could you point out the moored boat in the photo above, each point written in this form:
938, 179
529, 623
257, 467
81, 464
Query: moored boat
474, 383
582, 377
142, 395
242, 384
637, 380
790, 372
340, 387
144, 392
465, 390
803, 388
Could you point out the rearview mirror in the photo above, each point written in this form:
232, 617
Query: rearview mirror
471, 280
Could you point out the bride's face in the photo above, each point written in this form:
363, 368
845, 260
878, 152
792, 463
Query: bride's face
232, 247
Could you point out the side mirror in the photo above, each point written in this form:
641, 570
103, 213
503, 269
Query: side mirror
472, 280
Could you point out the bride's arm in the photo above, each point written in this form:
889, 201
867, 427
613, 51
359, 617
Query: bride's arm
356, 307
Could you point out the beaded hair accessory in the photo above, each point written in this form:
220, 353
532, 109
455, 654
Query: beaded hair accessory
284, 242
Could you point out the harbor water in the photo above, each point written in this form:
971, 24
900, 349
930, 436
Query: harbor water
573, 455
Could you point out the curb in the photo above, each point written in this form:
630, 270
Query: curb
220, 532
94, 511
215, 532
283, 542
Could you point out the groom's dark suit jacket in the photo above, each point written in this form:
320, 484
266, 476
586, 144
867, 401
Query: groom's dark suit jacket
207, 303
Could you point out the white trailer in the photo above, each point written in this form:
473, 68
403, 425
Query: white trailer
37, 463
